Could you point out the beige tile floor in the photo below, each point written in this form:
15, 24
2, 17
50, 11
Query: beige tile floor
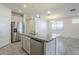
12, 49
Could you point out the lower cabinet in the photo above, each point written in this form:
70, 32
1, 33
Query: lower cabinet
32, 46
36, 47
26, 44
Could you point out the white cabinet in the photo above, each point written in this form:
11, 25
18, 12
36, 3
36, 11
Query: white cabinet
26, 43
36, 47
32, 46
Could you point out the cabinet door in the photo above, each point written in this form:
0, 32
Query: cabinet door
26, 44
36, 47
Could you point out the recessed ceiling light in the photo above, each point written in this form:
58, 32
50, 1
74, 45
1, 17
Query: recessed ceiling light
25, 6
49, 12
20, 11
37, 16
52, 16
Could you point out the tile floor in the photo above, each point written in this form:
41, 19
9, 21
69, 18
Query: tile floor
12, 49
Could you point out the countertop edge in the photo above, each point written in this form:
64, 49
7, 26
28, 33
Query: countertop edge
36, 38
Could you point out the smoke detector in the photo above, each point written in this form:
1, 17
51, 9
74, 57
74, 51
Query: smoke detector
72, 10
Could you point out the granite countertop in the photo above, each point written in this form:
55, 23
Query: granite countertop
39, 37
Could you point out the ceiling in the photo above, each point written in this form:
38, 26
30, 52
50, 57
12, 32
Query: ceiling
60, 9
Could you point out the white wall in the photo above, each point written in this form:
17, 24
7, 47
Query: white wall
24, 19
5, 25
41, 26
15, 18
29, 24
69, 29
18, 19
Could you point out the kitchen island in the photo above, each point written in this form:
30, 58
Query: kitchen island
38, 44
47, 45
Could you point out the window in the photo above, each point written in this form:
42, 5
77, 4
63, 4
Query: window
75, 21
57, 25
53, 25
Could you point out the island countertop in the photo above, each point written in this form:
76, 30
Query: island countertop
39, 37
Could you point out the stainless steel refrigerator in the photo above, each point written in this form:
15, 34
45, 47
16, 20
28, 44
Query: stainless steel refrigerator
14, 35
